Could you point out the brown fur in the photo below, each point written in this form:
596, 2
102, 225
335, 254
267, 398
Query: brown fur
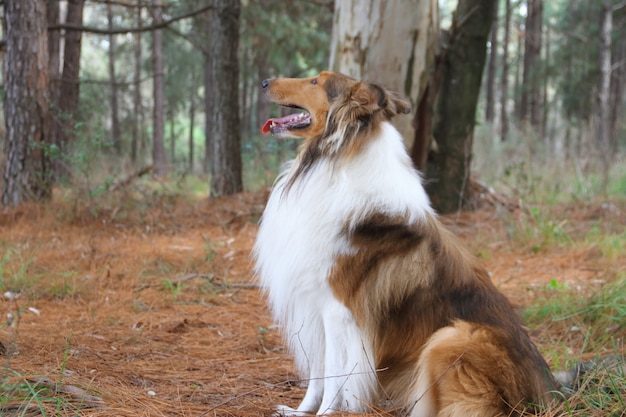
429, 308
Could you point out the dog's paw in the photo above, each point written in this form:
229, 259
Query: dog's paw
284, 411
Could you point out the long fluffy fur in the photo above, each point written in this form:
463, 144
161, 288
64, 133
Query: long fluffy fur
377, 301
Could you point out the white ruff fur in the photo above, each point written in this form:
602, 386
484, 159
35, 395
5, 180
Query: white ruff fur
298, 241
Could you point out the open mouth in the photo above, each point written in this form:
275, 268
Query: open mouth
290, 122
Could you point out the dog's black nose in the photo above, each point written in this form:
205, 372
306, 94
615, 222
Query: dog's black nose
265, 84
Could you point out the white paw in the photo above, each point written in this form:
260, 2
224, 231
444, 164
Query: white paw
284, 411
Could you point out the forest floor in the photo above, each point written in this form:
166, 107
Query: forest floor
151, 309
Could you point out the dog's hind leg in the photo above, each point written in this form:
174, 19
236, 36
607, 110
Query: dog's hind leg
461, 372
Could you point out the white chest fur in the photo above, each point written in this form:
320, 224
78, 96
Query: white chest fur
302, 231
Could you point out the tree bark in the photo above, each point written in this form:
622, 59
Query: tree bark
530, 105
504, 80
519, 51
115, 120
209, 93
70, 85
222, 89
462, 65
54, 77
158, 88
491, 69
605, 78
54, 52
192, 120
389, 42
618, 79
138, 111
66, 92
27, 118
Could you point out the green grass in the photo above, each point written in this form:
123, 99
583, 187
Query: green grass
538, 230
599, 318
585, 326
611, 245
14, 275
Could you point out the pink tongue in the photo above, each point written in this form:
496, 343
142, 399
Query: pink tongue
266, 126
277, 121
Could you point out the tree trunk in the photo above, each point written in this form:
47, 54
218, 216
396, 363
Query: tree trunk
389, 42
491, 69
64, 126
605, 78
170, 120
462, 65
158, 88
115, 121
54, 54
222, 113
530, 106
138, 111
603, 112
504, 86
27, 163
618, 79
70, 81
544, 107
54, 77
192, 120
518, 69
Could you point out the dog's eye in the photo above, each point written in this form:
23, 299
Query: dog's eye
314, 81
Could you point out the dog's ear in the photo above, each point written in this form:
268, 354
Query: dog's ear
396, 104
367, 98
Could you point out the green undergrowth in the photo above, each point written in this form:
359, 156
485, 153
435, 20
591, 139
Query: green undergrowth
598, 317
580, 328
29, 395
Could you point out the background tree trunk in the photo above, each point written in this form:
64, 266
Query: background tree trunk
491, 69
54, 77
192, 120
69, 88
517, 86
54, 57
388, 42
605, 78
158, 89
27, 165
462, 65
222, 115
618, 79
115, 120
530, 105
137, 108
209, 92
504, 80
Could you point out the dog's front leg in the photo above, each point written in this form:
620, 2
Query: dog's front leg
308, 345
314, 392
349, 371
313, 397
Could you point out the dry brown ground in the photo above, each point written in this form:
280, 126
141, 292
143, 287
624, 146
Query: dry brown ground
154, 310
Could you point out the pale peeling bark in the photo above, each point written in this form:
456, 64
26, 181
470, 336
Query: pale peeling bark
387, 42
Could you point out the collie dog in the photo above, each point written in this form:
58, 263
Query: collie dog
378, 302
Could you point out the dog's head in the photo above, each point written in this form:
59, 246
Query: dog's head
327, 102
